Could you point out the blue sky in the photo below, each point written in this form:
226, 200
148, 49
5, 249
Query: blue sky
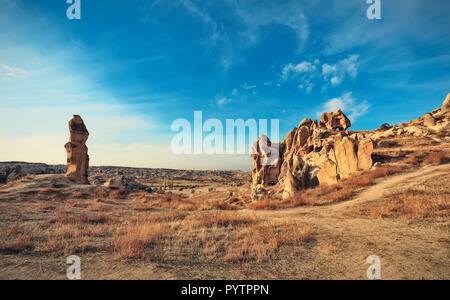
131, 68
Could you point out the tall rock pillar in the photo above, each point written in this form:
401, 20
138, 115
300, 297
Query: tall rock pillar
77, 152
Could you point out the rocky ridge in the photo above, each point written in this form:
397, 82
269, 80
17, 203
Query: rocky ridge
325, 152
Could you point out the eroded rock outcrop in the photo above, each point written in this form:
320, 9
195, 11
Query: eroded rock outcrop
426, 126
446, 105
335, 120
14, 174
313, 154
10, 174
77, 152
263, 171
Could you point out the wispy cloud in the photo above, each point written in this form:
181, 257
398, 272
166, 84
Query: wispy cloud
291, 70
13, 72
246, 86
348, 104
222, 101
336, 73
307, 74
249, 18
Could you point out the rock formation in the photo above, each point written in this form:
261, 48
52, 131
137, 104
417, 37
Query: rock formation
14, 174
261, 174
446, 105
77, 152
311, 154
335, 120
125, 183
425, 126
10, 174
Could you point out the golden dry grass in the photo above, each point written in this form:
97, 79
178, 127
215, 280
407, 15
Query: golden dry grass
226, 218
428, 200
437, 158
199, 237
326, 194
132, 239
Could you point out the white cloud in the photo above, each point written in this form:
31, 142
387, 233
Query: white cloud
246, 86
349, 105
336, 74
222, 101
291, 70
308, 74
14, 72
234, 92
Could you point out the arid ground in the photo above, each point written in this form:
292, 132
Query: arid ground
205, 226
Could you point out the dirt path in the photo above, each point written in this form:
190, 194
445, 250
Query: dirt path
385, 186
407, 250
394, 183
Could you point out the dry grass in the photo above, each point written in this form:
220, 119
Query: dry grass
433, 158
63, 216
411, 204
19, 243
326, 194
133, 238
98, 206
226, 218
262, 241
437, 158
428, 200
146, 202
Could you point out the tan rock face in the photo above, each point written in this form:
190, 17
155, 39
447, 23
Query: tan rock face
290, 186
77, 152
261, 173
328, 174
335, 120
311, 155
346, 157
446, 105
365, 149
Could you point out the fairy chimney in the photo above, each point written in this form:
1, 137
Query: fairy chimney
77, 152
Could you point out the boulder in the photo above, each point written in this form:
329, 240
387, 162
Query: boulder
77, 152
335, 120
125, 184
